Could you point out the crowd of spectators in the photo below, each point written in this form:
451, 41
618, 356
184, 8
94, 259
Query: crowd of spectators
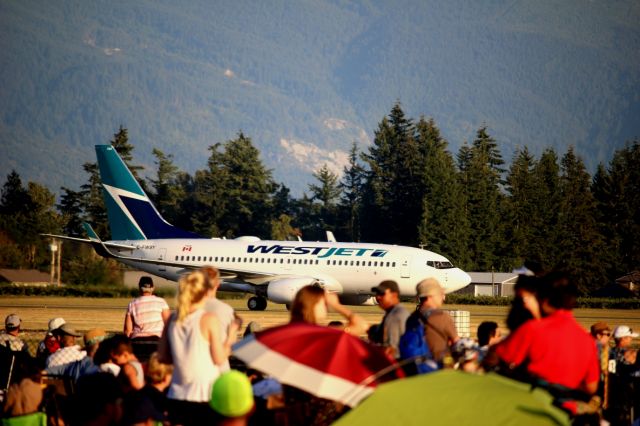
174, 368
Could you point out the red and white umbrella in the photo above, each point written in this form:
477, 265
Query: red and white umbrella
323, 361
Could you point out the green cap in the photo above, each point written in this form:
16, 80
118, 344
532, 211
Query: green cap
232, 395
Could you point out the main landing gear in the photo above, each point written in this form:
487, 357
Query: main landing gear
257, 303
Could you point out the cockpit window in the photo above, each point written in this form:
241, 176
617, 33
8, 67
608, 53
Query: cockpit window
439, 264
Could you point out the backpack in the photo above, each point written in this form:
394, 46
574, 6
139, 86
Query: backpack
413, 345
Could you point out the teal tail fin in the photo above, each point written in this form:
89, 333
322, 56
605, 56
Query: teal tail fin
131, 214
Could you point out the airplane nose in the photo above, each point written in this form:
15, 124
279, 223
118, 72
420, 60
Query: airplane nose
457, 279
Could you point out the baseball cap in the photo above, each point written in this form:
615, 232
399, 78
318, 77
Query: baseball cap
93, 336
232, 395
623, 331
12, 321
67, 329
429, 287
145, 282
599, 328
384, 285
55, 323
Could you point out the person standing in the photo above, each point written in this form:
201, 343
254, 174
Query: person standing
601, 332
192, 343
393, 323
145, 319
223, 311
624, 378
439, 329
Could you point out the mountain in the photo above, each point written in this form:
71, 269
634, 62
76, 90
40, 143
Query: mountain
306, 79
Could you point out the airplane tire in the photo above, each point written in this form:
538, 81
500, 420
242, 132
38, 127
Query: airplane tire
256, 303
253, 303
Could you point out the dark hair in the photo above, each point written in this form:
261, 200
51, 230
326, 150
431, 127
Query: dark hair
145, 281
559, 290
486, 330
120, 343
519, 314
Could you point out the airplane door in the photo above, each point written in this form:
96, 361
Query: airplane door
405, 269
162, 254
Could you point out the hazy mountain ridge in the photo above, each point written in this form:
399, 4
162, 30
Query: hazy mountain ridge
304, 80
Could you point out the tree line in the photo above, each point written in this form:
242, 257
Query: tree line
406, 188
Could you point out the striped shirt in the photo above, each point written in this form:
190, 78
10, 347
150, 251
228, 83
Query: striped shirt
146, 315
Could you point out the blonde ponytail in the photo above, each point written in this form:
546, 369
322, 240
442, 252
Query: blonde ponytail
191, 290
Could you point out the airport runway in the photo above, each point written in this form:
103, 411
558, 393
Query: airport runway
86, 313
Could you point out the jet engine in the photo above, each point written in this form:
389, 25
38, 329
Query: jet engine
285, 289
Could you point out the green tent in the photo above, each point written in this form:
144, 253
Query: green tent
452, 397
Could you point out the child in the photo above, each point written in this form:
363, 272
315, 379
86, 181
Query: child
131, 371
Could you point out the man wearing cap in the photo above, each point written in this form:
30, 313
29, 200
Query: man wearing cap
624, 377
145, 319
9, 337
393, 323
50, 343
77, 369
69, 351
439, 328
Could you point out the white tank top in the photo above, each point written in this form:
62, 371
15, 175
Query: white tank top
193, 369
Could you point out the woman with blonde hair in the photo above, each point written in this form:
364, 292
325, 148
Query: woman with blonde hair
312, 303
192, 342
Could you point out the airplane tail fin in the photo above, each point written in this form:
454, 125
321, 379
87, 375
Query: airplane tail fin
131, 214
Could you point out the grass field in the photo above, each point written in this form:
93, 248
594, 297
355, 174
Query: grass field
86, 313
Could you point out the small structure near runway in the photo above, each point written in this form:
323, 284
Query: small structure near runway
24, 277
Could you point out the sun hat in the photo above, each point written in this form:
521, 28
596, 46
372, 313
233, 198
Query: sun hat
623, 331
55, 323
12, 321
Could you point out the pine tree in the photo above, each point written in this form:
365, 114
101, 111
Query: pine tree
617, 191
484, 201
543, 244
351, 198
166, 189
443, 227
579, 240
70, 207
327, 194
520, 208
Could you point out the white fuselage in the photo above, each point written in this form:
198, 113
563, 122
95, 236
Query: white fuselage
348, 268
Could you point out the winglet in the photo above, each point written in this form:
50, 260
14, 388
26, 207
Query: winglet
90, 232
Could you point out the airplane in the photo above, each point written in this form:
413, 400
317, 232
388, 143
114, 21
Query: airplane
269, 270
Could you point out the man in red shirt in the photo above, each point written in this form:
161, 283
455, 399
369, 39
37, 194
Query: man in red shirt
555, 348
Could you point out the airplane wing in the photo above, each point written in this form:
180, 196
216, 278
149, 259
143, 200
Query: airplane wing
89, 241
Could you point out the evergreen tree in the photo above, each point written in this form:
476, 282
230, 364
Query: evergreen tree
617, 191
70, 207
327, 194
543, 245
25, 213
521, 210
351, 196
392, 196
93, 205
443, 227
484, 201
166, 189
579, 240
238, 188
